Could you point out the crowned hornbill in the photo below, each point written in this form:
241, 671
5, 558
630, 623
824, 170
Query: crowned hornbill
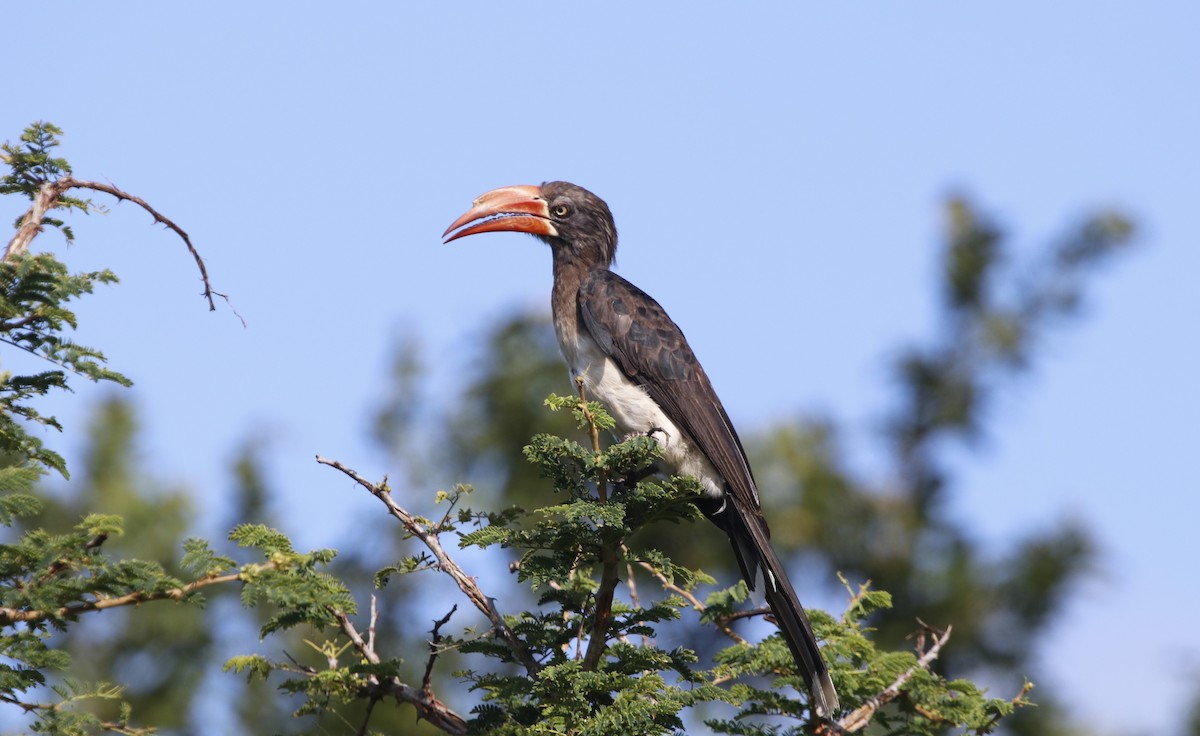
636, 361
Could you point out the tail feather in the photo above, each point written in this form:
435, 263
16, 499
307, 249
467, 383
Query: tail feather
798, 634
752, 547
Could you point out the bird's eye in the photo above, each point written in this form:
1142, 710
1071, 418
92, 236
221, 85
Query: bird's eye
560, 210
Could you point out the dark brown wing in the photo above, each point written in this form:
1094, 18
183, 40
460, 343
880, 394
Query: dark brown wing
636, 333
633, 330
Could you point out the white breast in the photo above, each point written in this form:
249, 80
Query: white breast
636, 413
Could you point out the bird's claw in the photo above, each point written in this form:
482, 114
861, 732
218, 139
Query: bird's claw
649, 433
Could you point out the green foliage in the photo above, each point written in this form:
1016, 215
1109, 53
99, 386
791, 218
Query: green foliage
47, 581
201, 561
31, 166
293, 583
34, 293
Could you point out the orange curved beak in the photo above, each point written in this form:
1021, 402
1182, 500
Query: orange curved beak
519, 209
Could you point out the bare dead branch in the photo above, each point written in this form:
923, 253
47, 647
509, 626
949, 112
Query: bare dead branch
446, 564
371, 626
52, 191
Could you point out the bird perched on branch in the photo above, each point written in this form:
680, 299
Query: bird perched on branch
635, 360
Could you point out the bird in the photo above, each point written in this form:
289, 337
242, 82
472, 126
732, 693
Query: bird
634, 359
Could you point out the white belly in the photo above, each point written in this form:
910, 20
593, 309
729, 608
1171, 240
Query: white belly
636, 413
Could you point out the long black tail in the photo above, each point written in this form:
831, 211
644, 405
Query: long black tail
798, 633
752, 546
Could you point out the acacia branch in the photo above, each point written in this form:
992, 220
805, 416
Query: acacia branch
15, 615
106, 726
446, 564
48, 198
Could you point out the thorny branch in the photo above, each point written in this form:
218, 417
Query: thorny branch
465, 582
52, 191
423, 699
427, 680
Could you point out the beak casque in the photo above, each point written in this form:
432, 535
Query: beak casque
519, 209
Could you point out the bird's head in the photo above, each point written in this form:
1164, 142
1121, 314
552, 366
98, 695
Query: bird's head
575, 222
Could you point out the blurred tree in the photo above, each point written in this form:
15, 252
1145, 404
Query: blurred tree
503, 407
1192, 717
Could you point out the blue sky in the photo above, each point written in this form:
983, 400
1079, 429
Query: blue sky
315, 156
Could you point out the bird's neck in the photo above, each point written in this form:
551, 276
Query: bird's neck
569, 273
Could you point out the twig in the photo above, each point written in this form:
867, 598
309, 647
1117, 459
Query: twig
371, 624
860, 717
52, 191
306, 669
631, 583
722, 622
1018, 700
371, 702
465, 582
427, 680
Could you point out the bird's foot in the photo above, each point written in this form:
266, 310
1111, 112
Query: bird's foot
649, 433
634, 477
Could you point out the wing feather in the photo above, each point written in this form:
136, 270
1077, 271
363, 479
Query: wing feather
635, 331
